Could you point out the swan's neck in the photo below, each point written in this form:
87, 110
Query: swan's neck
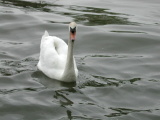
69, 72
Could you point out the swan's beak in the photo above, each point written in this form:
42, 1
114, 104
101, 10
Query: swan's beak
72, 34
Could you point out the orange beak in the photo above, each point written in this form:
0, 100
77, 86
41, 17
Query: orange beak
72, 36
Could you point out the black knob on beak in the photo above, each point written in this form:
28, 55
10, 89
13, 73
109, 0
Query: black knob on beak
72, 30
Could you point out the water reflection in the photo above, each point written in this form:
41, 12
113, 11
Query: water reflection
50, 83
13, 67
41, 5
117, 82
106, 87
82, 15
124, 111
98, 16
101, 81
62, 99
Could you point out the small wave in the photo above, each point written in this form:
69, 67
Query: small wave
10, 67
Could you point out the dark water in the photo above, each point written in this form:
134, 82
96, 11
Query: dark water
117, 52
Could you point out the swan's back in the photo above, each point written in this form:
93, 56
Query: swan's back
53, 54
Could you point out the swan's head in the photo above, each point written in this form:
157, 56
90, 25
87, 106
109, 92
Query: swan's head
72, 30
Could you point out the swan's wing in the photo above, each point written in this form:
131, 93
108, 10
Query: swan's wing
46, 33
53, 52
52, 42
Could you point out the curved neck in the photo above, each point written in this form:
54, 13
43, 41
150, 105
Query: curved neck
69, 72
69, 63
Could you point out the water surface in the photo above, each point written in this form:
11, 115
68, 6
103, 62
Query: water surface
116, 51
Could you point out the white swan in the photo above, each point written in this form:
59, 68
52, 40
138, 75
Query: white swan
56, 57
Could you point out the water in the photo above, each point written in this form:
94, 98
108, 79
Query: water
117, 54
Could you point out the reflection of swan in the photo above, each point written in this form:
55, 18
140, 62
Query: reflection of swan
56, 58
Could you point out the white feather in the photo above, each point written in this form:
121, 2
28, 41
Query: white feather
53, 57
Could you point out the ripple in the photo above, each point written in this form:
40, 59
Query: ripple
6, 91
113, 56
27, 4
128, 32
117, 82
124, 111
81, 14
117, 53
10, 67
9, 43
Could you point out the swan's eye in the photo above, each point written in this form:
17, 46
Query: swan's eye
73, 30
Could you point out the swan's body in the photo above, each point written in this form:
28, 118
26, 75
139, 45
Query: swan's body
56, 58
